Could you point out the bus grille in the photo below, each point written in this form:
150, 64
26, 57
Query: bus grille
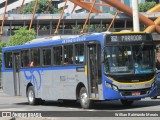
130, 92
131, 77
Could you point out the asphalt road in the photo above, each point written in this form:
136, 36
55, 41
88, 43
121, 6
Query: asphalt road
61, 109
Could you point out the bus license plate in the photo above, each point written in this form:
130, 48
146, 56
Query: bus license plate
136, 93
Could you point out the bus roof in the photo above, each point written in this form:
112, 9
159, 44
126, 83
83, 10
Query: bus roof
55, 40
45, 39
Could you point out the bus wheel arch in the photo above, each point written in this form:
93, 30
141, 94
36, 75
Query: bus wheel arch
85, 101
30, 93
79, 86
29, 84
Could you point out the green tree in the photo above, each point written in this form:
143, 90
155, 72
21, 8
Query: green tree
2, 44
41, 7
21, 36
76, 29
143, 7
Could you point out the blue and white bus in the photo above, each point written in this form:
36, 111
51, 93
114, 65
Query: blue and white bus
87, 68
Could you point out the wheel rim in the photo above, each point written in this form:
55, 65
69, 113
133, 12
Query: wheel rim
31, 96
84, 98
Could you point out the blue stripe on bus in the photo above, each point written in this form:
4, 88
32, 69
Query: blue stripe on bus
46, 68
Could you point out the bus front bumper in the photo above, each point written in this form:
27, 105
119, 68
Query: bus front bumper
110, 94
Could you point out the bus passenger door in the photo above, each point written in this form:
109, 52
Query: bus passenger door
16, 67
92, 70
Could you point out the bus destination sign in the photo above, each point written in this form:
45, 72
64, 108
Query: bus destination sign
128, 38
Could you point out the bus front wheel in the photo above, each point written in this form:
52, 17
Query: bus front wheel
85, 102
31, 96
127, 102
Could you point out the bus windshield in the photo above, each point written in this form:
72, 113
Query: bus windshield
131, 59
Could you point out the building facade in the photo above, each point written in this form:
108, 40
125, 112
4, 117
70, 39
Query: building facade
14, 5
101, 7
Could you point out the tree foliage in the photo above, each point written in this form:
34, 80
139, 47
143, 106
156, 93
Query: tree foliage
143, 7
21, 36
41, 7
2, 44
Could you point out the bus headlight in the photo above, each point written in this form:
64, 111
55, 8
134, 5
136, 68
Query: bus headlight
153, 84
114, 87
108, 85
148, 85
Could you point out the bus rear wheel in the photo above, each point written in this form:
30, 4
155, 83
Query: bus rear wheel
85, 102
127, 102
31, 97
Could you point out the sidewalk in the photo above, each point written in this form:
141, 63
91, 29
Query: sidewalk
1, 90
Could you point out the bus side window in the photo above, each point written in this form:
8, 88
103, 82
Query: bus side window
46, 56
8, 59
25, 58
57, 55
79, 53
68, 54
35, 57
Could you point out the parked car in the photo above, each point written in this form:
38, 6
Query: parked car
158, 84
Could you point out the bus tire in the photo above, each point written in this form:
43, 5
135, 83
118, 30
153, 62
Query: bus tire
85, 102
127, 102
31, 96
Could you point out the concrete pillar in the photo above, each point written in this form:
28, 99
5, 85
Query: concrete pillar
37, 28
24, 23
10, 28
125, 24
101, 25
50, 28
63, 28
135, 16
